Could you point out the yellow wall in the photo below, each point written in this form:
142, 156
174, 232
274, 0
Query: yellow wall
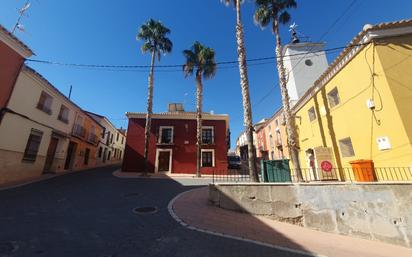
351, 118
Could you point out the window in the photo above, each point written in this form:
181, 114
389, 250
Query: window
208, 158
333, 97
86, 156
108, 138
346, 147
33, 144
312, 114
109, 155
207, 135
92, 135
103, 133
122, 140
271, 141
64, 114
166, 135
117, 138
78, 128
111, 138
45, 103
100, 152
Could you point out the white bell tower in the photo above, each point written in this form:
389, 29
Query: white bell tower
304, 63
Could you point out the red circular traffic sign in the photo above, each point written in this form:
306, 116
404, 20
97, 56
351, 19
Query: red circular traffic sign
326, 166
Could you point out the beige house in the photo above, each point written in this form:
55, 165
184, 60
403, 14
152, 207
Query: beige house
36, 128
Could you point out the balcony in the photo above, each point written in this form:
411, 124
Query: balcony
92, 138
278, 143
79, 131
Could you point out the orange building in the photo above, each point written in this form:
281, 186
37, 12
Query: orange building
276, 137
82, 150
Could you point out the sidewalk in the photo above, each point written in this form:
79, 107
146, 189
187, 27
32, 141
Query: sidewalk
193, 210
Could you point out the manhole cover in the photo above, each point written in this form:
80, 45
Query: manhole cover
145, 210
8, 247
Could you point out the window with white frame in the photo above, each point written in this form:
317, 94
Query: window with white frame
208, 158
208, 135
165, 135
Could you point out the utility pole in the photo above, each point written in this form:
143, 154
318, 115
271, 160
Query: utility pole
21, 13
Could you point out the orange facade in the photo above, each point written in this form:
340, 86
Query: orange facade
82, 149
276, 137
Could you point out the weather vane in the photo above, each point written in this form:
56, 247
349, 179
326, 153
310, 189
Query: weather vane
22, 11
292, 28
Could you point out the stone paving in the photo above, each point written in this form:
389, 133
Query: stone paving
193, 210
90, 214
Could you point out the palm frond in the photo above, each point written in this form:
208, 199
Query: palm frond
154, 34
284, 17
262, 16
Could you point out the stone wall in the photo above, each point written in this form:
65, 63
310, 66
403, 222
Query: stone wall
373, 211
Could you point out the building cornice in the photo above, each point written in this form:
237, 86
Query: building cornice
11, 41
359, 42
178, 116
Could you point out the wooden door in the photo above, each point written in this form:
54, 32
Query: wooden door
164, 161
51, 151
71, 150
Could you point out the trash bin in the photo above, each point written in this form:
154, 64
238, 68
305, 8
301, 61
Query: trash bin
363, 170
276, 171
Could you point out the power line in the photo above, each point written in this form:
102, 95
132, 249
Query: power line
166, 68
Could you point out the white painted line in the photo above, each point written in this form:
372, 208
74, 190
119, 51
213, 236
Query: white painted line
181, 222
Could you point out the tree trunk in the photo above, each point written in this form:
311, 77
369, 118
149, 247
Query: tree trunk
148, 115
199, 97
244, 84
289, 116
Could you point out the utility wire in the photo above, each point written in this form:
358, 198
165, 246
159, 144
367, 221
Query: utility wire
254, 61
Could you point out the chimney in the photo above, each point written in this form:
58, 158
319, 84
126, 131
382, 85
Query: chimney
176, 107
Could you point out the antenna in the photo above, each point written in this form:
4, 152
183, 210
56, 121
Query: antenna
22, 11
70, 91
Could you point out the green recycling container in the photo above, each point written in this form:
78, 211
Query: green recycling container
276, 171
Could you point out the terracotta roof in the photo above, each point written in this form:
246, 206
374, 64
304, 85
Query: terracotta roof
16, 40
356, 44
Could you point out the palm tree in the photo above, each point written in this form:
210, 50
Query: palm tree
154, 34
244, 84
200, 60
277, 12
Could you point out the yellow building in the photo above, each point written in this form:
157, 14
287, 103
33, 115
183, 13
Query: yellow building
361, 107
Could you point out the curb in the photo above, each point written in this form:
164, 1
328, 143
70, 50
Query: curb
47, 177
181, 222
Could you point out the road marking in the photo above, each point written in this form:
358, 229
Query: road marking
181, 222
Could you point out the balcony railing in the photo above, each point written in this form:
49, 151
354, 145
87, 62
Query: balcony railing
79, 130
92, 138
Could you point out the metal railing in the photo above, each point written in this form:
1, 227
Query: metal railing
312, 175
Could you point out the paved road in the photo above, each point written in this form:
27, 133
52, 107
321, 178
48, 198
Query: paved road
89, 214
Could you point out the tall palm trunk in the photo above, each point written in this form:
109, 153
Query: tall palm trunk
148, 114
199, 97
244, 83
289, 117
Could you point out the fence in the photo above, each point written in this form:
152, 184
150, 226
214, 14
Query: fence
353, 175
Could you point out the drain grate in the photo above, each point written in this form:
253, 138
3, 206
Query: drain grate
145, 210
8, 247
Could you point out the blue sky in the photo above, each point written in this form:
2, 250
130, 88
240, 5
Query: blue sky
103, 32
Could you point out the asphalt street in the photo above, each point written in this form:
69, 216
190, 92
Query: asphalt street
90, 214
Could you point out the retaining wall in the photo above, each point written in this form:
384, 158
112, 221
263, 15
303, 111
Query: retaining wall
373, 211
